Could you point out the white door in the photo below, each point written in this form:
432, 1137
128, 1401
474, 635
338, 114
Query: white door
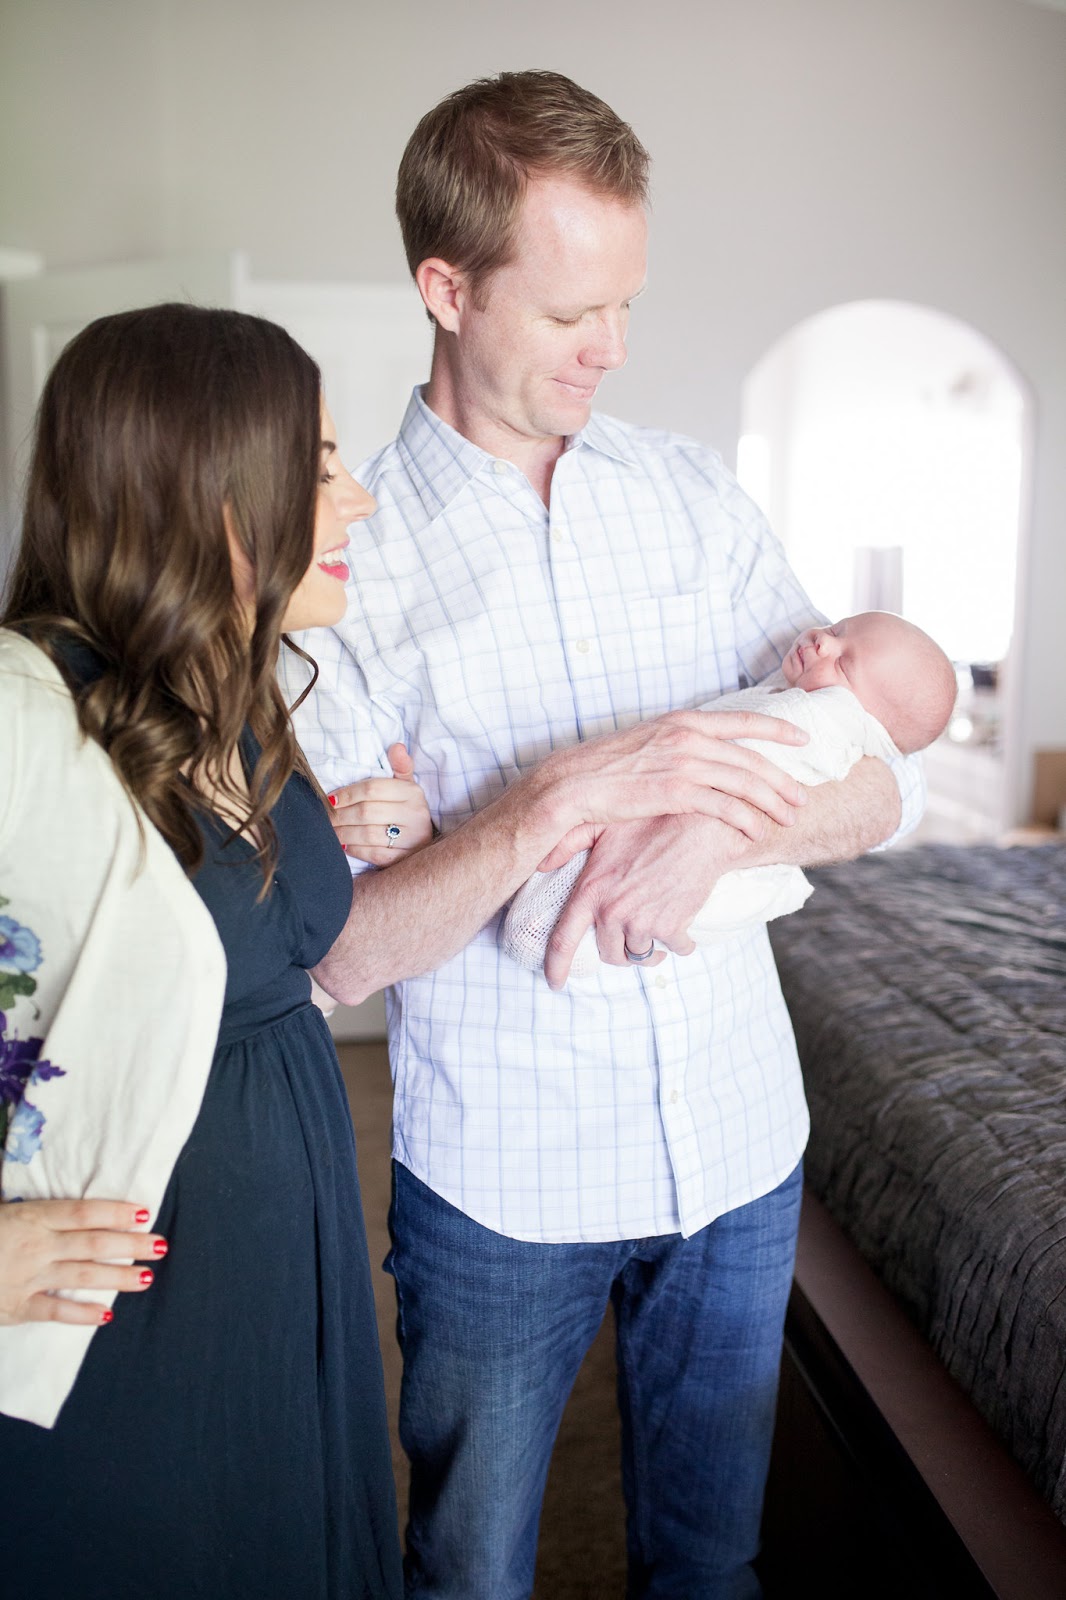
43, 313
372, 341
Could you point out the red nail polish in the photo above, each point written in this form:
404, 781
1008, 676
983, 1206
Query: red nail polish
142, 1215
332, 798
147, 1276
107, 1316
160, 1247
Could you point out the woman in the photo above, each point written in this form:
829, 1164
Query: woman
224, 1434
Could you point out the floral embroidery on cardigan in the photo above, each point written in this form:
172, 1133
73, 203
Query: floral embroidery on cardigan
21, 1122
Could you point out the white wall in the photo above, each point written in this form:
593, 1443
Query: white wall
806, 154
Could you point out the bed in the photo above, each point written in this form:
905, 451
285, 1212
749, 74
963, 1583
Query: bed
928, 993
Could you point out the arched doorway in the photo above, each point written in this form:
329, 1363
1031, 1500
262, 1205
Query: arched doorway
886, 443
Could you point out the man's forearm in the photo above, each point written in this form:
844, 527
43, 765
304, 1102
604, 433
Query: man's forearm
840, 821
651, 879
412, 917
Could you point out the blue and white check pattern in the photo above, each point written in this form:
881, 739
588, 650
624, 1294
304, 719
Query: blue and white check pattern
484, 631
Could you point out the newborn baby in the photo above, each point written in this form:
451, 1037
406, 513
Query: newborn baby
870, 685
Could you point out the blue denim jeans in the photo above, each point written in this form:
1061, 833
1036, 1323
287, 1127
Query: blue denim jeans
493, 1331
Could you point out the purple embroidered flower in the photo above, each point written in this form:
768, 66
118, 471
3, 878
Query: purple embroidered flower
24, 1133
45, 1070
19, 1064
20, 1128
20, 1120
20, 948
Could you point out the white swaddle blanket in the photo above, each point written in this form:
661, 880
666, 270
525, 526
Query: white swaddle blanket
111, 983
841, 731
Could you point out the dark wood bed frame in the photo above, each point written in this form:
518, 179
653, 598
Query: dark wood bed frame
885, 1482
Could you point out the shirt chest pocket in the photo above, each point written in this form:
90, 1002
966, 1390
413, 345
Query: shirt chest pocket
660, 653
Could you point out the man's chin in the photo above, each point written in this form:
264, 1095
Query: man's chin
568, 415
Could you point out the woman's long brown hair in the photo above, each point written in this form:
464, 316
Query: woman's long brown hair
158, 428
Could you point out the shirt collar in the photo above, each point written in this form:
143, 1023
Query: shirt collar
441, 462
607, 435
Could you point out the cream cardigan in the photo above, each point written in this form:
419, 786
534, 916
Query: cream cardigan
111, 961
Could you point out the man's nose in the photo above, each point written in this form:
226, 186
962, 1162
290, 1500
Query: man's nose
607, 348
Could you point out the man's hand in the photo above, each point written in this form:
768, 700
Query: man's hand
647, 880
643, 881
416, 916
681, 762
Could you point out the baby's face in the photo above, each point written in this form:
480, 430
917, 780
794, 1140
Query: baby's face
867, 654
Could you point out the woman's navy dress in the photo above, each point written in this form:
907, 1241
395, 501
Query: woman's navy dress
226, 1438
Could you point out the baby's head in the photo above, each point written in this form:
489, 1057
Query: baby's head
894, 669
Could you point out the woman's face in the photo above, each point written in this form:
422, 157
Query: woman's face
319, 601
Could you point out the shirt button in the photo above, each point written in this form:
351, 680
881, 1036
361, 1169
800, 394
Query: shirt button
584, 646
673, 1098
557, 536
500, 466
660, 983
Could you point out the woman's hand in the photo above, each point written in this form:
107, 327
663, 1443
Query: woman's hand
70, 1244
364, 812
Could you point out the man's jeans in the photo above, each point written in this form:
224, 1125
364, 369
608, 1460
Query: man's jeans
493, 1331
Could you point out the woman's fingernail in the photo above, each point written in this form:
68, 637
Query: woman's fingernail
332, 798
147, 1276
142, 1215
107, 1316
160, 1247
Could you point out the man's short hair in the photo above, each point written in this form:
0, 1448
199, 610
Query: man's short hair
466, 166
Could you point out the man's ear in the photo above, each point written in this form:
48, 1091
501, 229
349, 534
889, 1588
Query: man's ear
444, 290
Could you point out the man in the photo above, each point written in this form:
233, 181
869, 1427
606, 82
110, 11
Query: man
539, 575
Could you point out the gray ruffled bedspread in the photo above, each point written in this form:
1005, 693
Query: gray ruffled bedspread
928, 992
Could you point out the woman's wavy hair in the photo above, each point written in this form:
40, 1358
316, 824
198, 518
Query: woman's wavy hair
162, 434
